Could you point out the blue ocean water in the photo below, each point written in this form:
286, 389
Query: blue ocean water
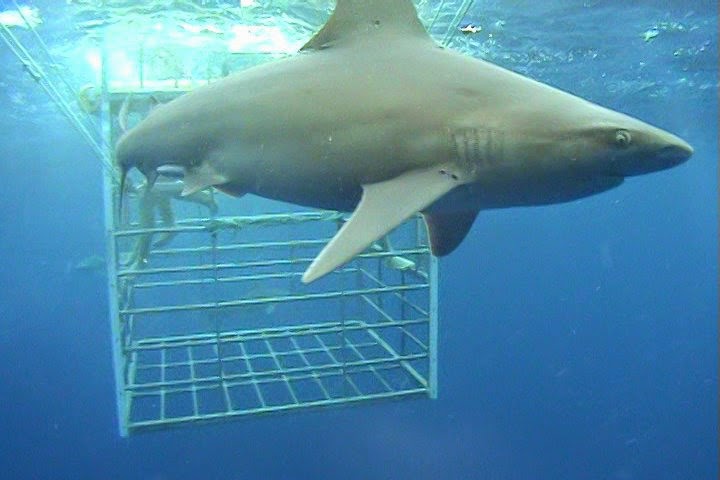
577, 341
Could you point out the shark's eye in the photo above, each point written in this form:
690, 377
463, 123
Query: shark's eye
623, 138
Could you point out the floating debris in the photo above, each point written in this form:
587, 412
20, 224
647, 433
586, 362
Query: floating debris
672, 27
650, 35
470, 28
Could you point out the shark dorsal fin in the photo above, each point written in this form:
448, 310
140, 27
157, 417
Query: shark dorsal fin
355, 19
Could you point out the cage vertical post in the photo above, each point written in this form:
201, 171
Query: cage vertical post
433, 319
111, 214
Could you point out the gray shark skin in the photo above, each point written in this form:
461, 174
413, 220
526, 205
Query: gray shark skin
373, 117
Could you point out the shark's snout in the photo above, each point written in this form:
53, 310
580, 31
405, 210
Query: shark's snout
675, 154
661, 152
132, 152
669, 154
124, 157
129, 155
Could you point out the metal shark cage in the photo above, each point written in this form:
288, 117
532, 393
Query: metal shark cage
220, 326
213, 323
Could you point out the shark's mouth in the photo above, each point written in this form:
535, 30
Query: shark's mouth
665, 158
151, 174
172, 171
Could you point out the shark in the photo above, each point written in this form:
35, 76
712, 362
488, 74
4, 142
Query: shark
373, 117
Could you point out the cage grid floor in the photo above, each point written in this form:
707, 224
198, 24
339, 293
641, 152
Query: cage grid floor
193, 379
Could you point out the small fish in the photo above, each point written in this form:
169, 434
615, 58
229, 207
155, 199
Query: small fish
469, 29
91, 263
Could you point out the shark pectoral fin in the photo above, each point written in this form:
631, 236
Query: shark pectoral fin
383, 207
447, 230
201, 178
